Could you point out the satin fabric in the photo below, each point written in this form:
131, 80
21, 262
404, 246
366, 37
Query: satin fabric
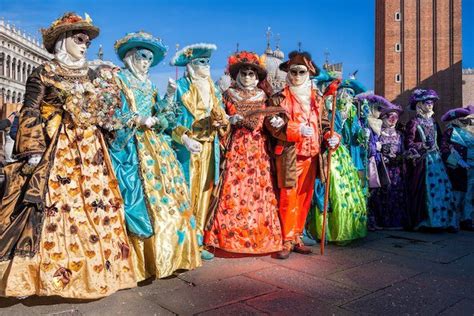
347, 217
201, 170
173, 245
296, 201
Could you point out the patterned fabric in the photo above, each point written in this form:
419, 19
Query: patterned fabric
431, 202
347, 216
82, 249
247, 215
388, 203
163, 193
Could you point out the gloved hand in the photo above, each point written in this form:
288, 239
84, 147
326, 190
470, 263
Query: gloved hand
463, 164
333, 141
429, 142
378, 146
171, 88
306, 131
147, 121
34, 160
277, 122
161, 121
234, 119
192, 145
386, 149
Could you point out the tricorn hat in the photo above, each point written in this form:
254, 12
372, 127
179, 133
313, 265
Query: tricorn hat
300, 58
70, 21
190, 52
457, 113
246, 59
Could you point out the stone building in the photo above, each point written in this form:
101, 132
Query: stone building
468, 86
19, 55
418, 45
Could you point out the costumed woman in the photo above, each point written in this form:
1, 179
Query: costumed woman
200, 122
157, 203
62, 225
457, 149
431, 202
387, 200
297, 136
246, 219
347, 213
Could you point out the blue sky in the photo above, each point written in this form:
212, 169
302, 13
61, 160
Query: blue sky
344, 28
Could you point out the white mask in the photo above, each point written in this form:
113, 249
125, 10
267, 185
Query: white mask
298, 74
138, 61
70, 50
247, 78
425, 108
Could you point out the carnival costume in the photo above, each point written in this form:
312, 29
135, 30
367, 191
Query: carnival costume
157, 203
347, 213
246, 219
297, 147
200, 121
62, 224
431, 200
457, 149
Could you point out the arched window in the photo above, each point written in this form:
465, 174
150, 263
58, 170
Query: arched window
23, 71
18, 70
8, 96
3, 96
18, 98
8, 75
13, 69
13, 97
29, 70
2, 64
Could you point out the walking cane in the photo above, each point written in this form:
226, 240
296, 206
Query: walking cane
330, 90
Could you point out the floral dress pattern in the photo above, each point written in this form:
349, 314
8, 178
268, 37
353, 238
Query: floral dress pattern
246, 219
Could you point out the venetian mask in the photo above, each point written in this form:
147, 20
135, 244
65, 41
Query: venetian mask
143, 59
77, 44
375, 111
247, 76
390, 119
425, 107
298, 74
201, 67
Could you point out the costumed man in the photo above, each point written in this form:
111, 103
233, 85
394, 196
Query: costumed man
156, 197
297, 148
457, 149
246, 216
62, 225
200, 121
347, 213
431, 203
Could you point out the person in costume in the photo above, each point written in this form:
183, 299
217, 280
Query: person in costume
431, 202
246, 219
387, 200
297, 148
457, 149
347, 213
62, 226
200, 122
156, 197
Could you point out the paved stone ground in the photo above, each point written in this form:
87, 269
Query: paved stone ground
388, 273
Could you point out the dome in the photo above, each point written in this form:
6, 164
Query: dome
279, 54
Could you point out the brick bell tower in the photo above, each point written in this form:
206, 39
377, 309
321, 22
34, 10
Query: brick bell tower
418, 45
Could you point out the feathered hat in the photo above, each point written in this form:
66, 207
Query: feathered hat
141, 40
190, 52
246, 59
457, 113
422, 95
70, 21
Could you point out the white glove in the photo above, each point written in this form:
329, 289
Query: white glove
463, 164
192, 145
234, 119
34, 160
333, 141
171, 88
367, 134
277, 122
148, 121
378, 146
306, 131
